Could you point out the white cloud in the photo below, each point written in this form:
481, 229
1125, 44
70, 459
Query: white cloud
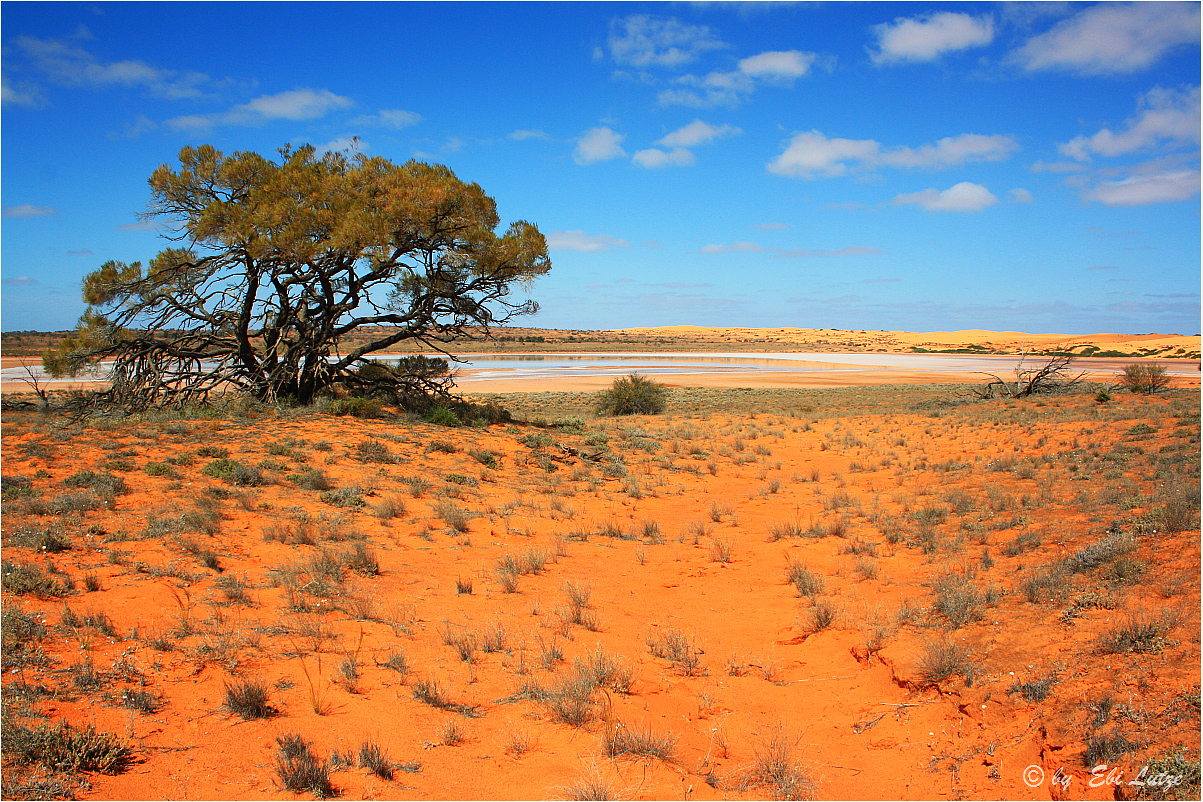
642, 40
1168, 117
697, 133
21, 281
530, 133
28, 210
951, 151
294, 105
654, 157
1112, 38
389, 118
734, 247
1021, 195
812, 154
728, 88
778, 64
580, 241
70, 65
1140, 190
928, 37
598, 144
345, 143
962, 197
27, 96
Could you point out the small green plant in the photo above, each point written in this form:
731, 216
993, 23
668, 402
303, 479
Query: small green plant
442, 416
632, 395
374, 451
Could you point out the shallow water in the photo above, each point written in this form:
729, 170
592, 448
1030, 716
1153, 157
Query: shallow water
485, 367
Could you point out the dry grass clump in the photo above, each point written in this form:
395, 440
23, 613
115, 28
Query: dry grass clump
776, 769
636, 741
675, 646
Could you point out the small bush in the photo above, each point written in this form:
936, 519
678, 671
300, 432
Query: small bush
639, 742
942, 660
248, 699
300, 770
1144, 378
374, 451
632, 395
356, 407
442, 416
62, 748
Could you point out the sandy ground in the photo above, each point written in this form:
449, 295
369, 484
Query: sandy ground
922, 601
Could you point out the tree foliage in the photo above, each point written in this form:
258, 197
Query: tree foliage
274, 265
632, 395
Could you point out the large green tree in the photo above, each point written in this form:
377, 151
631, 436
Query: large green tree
284, 275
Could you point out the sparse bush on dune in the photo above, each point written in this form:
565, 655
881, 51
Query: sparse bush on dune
1144, 378
632, 395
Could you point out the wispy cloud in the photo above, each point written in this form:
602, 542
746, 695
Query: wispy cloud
530, 133
68, 64
21, 281
806, 253
29, 210
1112, 38
1021, 195
1168, 117
812, 154
734, 247
963, 197
643, 40
654, 157
728, 88
295, 105
697, 133
598, 144
580, 241
389, 118
928, 37
1141, 190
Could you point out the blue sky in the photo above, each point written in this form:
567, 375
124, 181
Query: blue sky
918, 166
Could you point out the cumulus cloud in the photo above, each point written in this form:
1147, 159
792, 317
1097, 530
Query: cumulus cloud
697, 133
728, 88
580, 241
928, 37
1141, 190
778, 64
28, 210
1021, 195
1167, 117
642, 40
654, 157
1111, 38
294, 105
389, 118
597, 145
812, 154
68, 64
963, 197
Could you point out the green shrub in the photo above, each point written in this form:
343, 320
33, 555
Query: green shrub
442, 416
632, 395
1144, 378
60, 747
234, 472
356, 407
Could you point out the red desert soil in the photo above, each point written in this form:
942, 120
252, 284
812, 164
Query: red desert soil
864, 593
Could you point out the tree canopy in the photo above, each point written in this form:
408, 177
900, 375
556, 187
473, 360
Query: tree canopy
274, 264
